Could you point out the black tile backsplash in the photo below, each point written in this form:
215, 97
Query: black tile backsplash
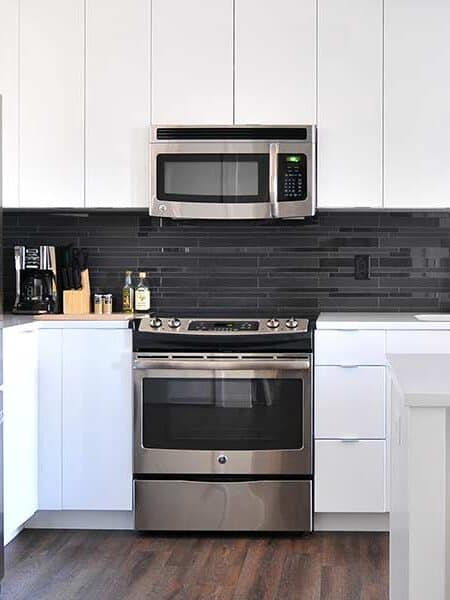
258, 267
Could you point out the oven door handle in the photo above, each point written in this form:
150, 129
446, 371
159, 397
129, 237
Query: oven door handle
224, 365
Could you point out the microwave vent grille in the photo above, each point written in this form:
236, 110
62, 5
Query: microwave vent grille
233, 133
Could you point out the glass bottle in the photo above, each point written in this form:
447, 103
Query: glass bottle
142, 294
128, 294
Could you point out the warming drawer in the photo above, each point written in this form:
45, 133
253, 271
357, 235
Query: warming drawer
163, 505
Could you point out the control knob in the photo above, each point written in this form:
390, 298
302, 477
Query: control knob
291, 323
273, 323
174, 323
155, 322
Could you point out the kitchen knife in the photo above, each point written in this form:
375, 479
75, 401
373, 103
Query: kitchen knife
76, 268
70, 267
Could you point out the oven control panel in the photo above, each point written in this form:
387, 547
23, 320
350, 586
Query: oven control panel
292, 183
223, 326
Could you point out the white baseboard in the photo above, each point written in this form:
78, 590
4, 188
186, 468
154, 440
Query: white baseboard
351, 521
97, 519
81, 519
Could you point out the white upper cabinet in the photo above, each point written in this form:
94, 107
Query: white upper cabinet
275, 61
350, 103
117, 102
51, 103
9, 91
417, 104
192, 62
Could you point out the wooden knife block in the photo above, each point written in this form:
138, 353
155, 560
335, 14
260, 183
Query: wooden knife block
78, 302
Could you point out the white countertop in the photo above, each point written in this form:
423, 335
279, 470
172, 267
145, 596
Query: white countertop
115, 321
382, 320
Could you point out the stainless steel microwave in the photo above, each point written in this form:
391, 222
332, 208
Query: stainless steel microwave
233, 172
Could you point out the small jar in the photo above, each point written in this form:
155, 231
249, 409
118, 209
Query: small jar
98, 304
107, 304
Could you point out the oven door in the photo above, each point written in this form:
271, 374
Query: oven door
240, 180
223, 416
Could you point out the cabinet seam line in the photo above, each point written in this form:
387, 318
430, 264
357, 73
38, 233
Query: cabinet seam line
234, 62
84, 98
19, 93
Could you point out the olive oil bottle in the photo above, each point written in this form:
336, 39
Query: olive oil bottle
128, 294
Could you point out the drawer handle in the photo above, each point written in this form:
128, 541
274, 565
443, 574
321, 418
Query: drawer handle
350, 440
349, 366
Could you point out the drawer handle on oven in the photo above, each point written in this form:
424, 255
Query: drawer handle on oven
213, 365
350, 440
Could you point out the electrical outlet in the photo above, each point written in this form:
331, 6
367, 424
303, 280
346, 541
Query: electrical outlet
362, 266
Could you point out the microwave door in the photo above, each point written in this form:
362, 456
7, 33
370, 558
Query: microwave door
211, 180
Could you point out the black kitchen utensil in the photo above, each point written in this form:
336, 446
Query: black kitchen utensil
65, 267
83, 258
76, 268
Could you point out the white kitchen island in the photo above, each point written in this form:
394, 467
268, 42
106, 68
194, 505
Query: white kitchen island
420, 476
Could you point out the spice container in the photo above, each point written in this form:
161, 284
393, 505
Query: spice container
98, 304
107, 304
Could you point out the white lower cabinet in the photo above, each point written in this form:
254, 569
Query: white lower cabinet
85, 419
50, 419
350, 424
350, 402
20, 445
96, 420
350, 476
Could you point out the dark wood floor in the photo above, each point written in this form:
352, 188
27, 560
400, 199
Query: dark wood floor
96, 565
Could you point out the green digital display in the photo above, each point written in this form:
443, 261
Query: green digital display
293, 159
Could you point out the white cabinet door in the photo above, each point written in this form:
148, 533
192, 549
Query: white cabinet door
20, 428
9, 90
275, 61
97, 420
192, 62
350, 476
117, 103
51, 103
350, 402
417, 100
50, 362
350, 101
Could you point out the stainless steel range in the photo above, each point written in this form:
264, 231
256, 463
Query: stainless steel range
223, 424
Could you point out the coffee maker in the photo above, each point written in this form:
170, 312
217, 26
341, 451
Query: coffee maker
36, 280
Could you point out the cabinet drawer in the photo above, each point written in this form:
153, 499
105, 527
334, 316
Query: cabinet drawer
350, 402
349, 347
350, 476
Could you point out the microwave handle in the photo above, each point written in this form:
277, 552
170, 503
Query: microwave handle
273, 185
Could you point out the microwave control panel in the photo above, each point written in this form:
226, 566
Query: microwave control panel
292, 183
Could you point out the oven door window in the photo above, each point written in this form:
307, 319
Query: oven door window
222, 414
215, 178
